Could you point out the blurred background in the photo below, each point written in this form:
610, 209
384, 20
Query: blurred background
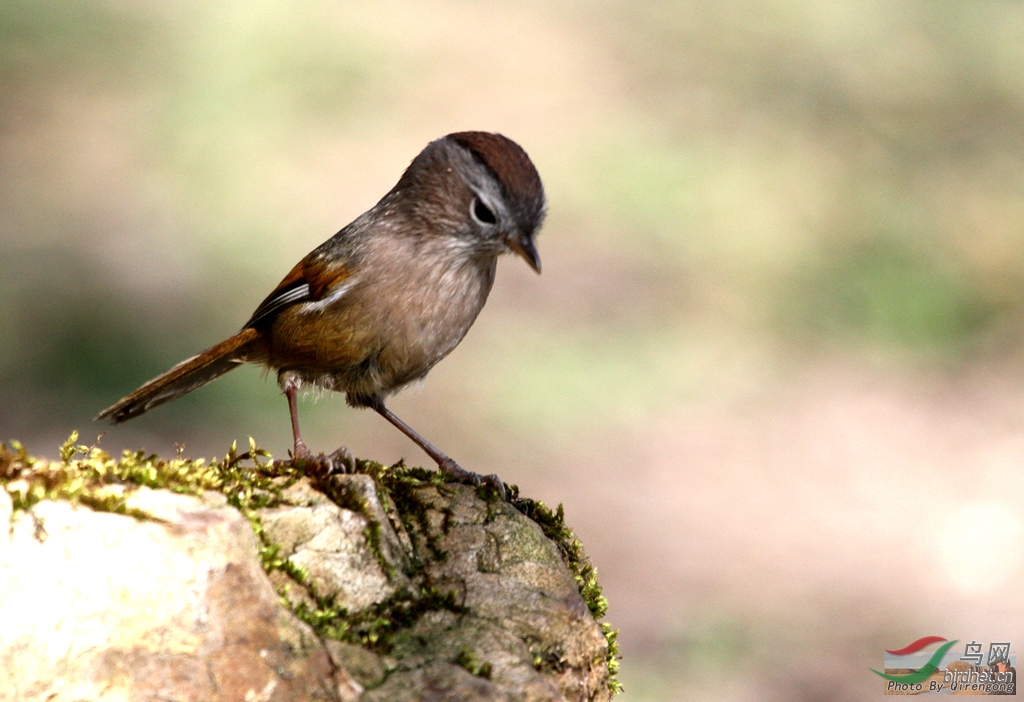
774, 368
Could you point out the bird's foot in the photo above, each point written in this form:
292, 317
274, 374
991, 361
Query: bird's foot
301, 452
460, 474
341, 461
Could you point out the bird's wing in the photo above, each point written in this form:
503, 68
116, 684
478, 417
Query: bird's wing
311, 280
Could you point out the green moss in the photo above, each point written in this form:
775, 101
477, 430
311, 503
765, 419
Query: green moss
612, 657
547, 660
90, 476
473, 665
376, 627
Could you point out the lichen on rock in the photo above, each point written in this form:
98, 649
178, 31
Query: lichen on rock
145, 578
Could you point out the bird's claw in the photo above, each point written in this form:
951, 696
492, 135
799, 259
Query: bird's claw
301, 452
341, 461
460, 474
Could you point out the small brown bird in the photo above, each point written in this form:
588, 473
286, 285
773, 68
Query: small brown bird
377, 305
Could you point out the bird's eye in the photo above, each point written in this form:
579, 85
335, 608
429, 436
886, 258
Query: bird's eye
482, 213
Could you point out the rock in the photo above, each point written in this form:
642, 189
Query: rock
365, 667
102, 606
518, 606
388, 584
330, 543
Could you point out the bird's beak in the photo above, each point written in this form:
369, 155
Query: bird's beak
523, 245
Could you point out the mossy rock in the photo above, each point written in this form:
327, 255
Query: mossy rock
383, 584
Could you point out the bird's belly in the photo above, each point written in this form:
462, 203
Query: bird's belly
368, 349
426, 324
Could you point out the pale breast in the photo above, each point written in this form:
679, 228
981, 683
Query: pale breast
435, 305
406, 309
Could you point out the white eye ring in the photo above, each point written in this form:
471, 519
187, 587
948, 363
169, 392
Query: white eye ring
482, 213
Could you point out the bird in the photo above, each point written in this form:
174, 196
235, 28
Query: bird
374, 308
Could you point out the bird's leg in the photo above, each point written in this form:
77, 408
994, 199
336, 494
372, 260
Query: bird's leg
444, 463
341, 458
301, 451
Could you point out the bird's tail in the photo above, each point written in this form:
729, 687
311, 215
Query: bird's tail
183, 378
